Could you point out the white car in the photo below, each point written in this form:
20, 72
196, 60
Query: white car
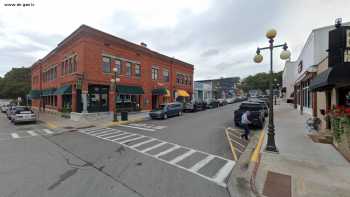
4, 108
22, 114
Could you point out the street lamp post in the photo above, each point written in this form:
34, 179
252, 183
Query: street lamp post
285, 54
114, 82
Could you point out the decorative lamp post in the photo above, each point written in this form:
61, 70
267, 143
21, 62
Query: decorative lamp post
285, 54
114, 82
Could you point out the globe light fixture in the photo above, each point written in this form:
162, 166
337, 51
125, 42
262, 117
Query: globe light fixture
112, 80
285, 54
271, 34
258, 58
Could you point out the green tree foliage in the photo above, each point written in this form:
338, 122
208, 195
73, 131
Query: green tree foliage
16, 83
260, 81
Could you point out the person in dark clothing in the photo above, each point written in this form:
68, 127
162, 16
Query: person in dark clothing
245, 124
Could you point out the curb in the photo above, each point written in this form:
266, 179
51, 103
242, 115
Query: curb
242, 179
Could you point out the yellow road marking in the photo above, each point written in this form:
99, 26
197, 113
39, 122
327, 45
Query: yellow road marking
231, 145
51, 125
255, 155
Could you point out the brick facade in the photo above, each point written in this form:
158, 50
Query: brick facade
87, 46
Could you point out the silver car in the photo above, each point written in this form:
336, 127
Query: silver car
22, 114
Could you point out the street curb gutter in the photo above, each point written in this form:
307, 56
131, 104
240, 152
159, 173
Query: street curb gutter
241, 182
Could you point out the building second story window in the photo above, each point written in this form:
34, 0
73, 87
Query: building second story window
166, 75
128, 69
154, 73
106, 64
50, 74
138, 70
118, 65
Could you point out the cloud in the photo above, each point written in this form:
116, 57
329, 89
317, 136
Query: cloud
210, 52
220, 39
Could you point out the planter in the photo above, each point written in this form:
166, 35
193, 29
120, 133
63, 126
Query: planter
341, 132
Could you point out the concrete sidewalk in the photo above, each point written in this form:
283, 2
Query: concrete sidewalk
306, 167
56, 121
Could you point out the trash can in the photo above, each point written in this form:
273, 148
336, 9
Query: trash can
124, 115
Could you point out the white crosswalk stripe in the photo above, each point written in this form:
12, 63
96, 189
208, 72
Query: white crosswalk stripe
148, 146
32, 133
14, 135
47, 131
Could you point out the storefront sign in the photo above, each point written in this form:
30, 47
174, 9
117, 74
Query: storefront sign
79, 84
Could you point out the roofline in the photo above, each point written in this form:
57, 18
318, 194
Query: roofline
84, 28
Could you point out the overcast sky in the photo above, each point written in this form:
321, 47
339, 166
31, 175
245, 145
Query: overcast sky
219, 37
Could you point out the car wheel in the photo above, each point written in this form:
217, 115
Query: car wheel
165, 116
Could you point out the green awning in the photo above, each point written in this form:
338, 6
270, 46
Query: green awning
34, 94
159, 91
123, 89
48, 92
66, 89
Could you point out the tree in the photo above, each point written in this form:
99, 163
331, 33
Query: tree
260, 81
16, 83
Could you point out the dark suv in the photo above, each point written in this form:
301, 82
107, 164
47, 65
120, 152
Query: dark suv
257, 116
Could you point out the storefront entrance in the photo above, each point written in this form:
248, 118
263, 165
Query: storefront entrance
155, 101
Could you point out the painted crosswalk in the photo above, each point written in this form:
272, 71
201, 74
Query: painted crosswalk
144, 127
28, 133
208, 166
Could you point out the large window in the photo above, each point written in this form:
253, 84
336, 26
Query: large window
50, 74
154, 73
106, 64
69, 65
138, 70
128, 69
166, 75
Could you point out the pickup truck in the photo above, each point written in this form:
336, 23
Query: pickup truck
257, 116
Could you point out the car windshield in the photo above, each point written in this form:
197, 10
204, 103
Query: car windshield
19, 109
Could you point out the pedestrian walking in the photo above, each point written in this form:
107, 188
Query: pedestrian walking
245, 124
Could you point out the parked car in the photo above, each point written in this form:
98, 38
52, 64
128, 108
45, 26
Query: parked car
230, 100
256, 117
194, 106
22, 114
222, 102
10, 110
264, 104
167, 110
4, 108
212, 103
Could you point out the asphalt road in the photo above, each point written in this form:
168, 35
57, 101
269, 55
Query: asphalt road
83, 163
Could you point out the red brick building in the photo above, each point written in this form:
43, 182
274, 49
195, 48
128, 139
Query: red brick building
78, 75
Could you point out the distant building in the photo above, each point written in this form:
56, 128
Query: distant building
215, 88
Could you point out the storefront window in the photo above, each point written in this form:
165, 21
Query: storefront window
98, 98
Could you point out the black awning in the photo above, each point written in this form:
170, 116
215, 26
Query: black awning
321, 81
336, 76
124, 89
